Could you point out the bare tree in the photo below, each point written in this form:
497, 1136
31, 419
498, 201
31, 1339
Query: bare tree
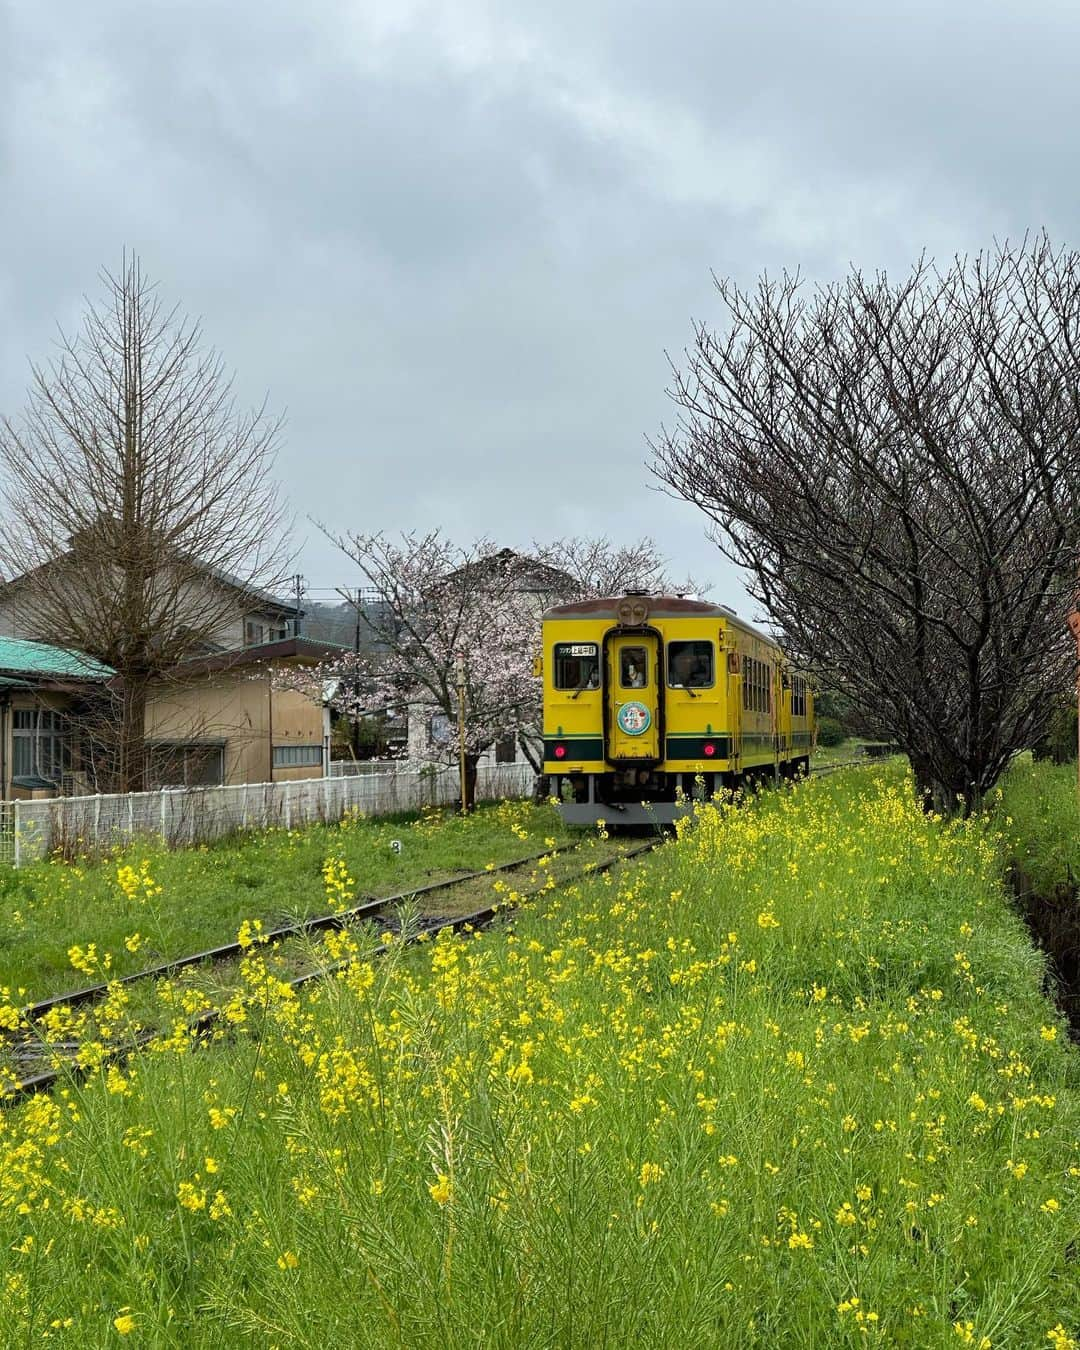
139, 502
898, 466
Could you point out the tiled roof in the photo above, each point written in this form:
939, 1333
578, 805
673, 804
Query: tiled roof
19, 657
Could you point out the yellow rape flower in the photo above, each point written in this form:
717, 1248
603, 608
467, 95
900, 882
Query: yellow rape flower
191, 1196
219, 1206
441, 1191
966, 1332
650, 1172
124, 1324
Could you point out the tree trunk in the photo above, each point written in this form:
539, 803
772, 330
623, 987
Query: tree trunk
471, 764
131, 740
933, 793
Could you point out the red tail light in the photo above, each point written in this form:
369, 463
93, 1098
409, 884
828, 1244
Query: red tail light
560, 752
708, 749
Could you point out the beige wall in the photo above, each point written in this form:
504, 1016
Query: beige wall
247, 713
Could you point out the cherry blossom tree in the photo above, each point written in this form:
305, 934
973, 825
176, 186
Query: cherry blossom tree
482, 603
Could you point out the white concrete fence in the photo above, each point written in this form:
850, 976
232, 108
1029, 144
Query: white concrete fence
183, 816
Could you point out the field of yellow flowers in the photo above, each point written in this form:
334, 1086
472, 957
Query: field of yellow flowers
146, 904
791, 1081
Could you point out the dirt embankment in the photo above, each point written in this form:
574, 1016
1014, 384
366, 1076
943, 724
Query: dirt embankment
1054, 922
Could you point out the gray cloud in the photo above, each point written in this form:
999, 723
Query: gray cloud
456, 240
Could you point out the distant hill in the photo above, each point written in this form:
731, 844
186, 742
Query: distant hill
338, 623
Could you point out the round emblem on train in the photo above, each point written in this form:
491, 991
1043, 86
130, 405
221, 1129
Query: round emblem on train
634, 718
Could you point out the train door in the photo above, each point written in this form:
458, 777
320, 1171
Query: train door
633, 694
775, 714
734, 703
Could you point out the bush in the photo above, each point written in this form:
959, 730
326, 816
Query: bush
1058, 742
830, 732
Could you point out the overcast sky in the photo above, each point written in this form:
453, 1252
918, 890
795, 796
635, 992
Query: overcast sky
454, 241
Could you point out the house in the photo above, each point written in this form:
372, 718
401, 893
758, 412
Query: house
245, 616
236, 716
41, 688
219, 715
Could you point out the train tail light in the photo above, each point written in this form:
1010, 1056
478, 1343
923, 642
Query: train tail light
560, 752
708, 749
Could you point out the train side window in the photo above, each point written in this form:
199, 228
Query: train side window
757, 685
576, 665
691, 665
633, 668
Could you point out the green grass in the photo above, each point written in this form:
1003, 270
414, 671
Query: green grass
837, 754
174, 902
1038, 806
791, 1082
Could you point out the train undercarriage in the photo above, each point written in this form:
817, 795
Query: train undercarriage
636, 796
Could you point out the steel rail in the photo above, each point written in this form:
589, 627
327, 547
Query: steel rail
204, 1022
370, 908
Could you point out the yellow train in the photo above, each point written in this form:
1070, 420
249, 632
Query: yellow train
653, 700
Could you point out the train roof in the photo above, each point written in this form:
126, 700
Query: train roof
659, 607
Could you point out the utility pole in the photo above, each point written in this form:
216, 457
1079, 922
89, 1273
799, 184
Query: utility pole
298, 583
459, 672
354, 722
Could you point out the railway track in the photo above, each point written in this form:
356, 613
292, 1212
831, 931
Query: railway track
371, 908
24, 1049
29, 1051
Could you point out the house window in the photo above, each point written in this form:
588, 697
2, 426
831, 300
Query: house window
440, 730
297, 756
191, 765
253, 633
40, 745
506, 750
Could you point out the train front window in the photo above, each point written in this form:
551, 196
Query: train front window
690, 665
633, 668
577, 665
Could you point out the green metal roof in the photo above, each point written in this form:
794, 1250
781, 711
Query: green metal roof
18, 657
